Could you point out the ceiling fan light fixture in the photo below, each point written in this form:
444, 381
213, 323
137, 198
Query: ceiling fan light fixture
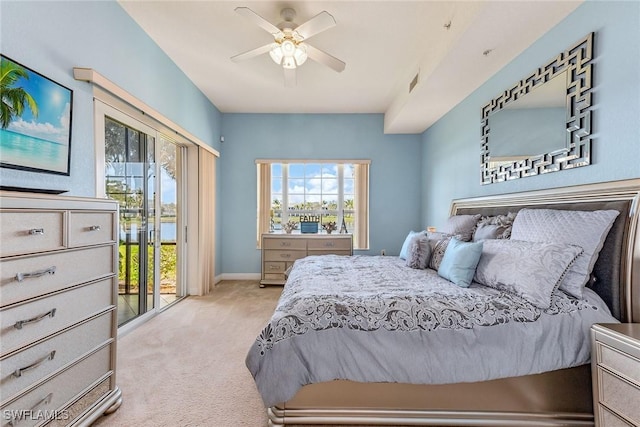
300, 54
288, 48
288, 54
276, 54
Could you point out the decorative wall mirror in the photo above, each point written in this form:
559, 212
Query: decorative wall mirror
543, 123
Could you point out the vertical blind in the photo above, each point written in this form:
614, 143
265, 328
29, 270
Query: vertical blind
207, 212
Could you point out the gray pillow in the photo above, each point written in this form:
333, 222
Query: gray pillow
587, 229
494, 227
530, 270
489, 231
462, 226
419, 252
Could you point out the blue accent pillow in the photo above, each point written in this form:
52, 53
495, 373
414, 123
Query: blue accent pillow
405, 246
460, 261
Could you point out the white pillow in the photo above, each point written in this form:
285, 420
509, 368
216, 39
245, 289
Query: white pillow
530, 270
587, 229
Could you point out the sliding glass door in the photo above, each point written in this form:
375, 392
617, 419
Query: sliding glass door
170, 220
143, 173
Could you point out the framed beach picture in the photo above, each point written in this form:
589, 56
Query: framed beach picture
35, 120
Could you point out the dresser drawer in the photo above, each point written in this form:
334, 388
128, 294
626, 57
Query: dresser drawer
25, 323
609, 419
278, 277
274, 267
51, 272
91, 228
59, 390
329, 252
285, 243
29, 366
329, 244
274, 255
82, 404
619, 395
622, 364
28, 231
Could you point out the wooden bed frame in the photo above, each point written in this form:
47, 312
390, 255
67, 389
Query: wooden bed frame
557, 398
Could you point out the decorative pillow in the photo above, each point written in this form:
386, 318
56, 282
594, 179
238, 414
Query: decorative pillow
488, 231
459, 262
436, 235
438, 248
461, 225
494, 227
531, 270
418, 252
407, 240
587, 229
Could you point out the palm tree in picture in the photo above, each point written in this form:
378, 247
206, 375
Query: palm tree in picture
13, 99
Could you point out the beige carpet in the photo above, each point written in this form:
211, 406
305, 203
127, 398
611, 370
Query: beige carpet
185, 367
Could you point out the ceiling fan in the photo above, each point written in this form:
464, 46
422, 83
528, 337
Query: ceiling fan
290, 49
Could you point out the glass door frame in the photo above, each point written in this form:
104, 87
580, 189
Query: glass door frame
181, 216
102, 111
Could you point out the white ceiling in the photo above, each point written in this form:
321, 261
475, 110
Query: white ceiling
384, 44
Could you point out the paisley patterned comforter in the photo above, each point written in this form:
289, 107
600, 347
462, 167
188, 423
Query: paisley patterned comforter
372, 319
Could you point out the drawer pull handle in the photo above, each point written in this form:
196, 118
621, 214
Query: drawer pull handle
17, 417
36, 231
285, 255
285, 243
19, 371
21, 276
273, 267
20, 323
94, 228
329, 244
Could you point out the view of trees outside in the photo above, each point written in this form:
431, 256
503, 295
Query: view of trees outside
127, 172
326, 190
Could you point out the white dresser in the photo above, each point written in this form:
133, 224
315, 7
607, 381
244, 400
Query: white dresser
616, 374
58, 278
279, 251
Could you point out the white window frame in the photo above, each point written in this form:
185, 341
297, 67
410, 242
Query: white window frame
361, 202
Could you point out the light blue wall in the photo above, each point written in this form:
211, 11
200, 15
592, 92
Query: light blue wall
52, 37
451, 147
413, 177
394, 175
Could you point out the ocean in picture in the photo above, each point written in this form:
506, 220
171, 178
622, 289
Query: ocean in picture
31, 152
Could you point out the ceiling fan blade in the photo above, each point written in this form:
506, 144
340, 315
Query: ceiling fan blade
324, 58
253, 53
290, 77
317, 24
259, 20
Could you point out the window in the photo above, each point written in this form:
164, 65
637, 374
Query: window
329, 190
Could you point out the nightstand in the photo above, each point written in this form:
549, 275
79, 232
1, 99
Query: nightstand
615, 367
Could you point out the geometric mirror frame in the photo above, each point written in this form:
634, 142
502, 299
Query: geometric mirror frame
576, 152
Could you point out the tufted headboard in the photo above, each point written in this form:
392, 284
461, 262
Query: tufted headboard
616, 274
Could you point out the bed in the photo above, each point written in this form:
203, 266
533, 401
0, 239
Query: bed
315, 325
